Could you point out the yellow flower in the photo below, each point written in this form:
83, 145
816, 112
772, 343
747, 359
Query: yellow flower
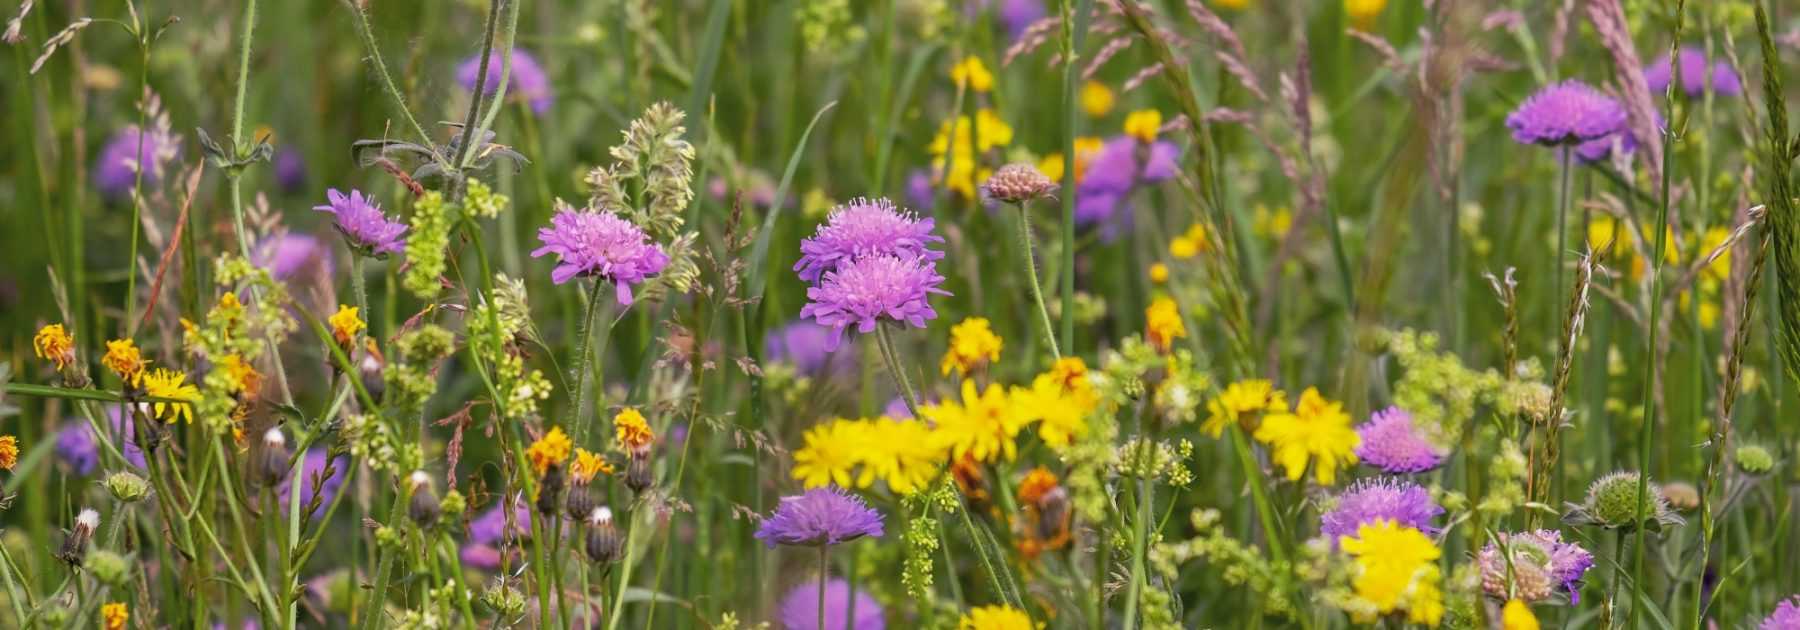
242, 376
167, 383
1000, 617
973, 344
1037, 483
588, 464
1051, 166
1060, 401
550, 450
1363, 11
1317, 430
900, 452
1143, 124
1517, 616
9, 452
1241, 399
56, 344
631, 430
123, 358
982, 426
1096, 98
1235, 5
1396, 569
974, 72
1159, 273
345, 324
985, 132
1085, 147
1711, 240
1190, 243
113, 616
831, 454
1162, 323
1271, 223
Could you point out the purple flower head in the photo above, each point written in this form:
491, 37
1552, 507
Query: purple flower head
865, 228
480, 557
800, 608
291, 255
490, 527
310, 471
1370, 500
1018, 15
802, 343
603, 245
528, 78
362, 223
820, 516
1541, 563
1785, 617
919, 192
77, 448
896, 409
116, 171
873, 288
1564, 113
1695, 75
290, 169
1392, 442
1121, 166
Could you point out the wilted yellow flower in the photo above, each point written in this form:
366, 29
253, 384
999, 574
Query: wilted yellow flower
123, 358
345, 324
983, 425
830, 454
1241, 399
974, 72
1396, 569
973, 344
1316, 431
1143, 124
9, 452
55, 344
1159, 273
550, 450
587, 465
1162, 323
167, 383
1517, 616
1096, 99
1000, 617
113, 616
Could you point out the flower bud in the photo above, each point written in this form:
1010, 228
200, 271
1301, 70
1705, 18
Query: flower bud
74, 547
638, 475
550, 493
453, 504
1017, 183
1754, 459
127, 487
109, 568
603, 543
580, 502
272, 460
369, 369
424, 508
505, 601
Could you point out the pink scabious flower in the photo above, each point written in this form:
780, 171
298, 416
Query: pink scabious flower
819, 517
870, 289
800, 608
1695, 75
1123, 164
865, 228
363, 225
1371, 500
1565, 113
528, 78
1785, 617
1392, 442
602, 245
1541, 563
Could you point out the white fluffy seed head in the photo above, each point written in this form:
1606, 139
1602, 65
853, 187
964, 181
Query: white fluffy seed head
601, 516
88, 518
420, 478
274, 438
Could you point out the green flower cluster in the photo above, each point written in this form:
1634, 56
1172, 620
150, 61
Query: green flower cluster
426, 243
482, 201
1238, 563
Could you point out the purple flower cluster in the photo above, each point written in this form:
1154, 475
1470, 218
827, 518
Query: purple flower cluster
488, 532
819, 517
77, 448
602, 245
528, 78
803, 344
116, 171
1570, 112
1785, 617
1695, 75
865, 228
1371, 500
800, 608
310, 471
362, 223
1120, 166
291, 255
1541, 562
869, 262
1392, 442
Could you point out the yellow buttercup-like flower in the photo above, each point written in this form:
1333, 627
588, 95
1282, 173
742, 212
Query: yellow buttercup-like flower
831, 454
123, 358
54, 343
1143, 124
974, 72
550, 450
1396, 569
1517, 616
631, 430
1235, 5
1363, 12
999, 617
1162, 323
982, 426
1159, 273
1096, 99
1085, 148
973, 344
345, 324
1239, 401
1316, 431
167, 383
1190, 243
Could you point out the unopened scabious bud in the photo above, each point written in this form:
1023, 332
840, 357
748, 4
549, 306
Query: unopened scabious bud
603, 543
505, 601
1754, 459
424, 507
272, 458
109, 568
74, 548
1018, 183
127, 487
1613, 503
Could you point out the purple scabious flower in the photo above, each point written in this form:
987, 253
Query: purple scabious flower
487, 533
1565, 113
1121, 166
1541, 563
873, 288
800, 608
116, 171
1392, 442
919, 192
1695, 75
290, 255
603, 245
77, 448
821, 516
802, 343
1019, 15
1371, 500
310, 471
1785, 617
528, 78
362, 223
290, 169
865, 228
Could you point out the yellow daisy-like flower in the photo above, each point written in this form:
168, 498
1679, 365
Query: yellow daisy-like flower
1060, 401
1363, 12
631, 430
167, 383
1159, 273
550, 450
54, 343
113, 616
973, 344
123, 358
1396, 569
1316, 431
1000, 617
1239, 400
587, 465
901, 453
1517, 616
1143, 124
345, 324
1096, 99
9, 452
982, 426
974, 72
1162, 323
831, 454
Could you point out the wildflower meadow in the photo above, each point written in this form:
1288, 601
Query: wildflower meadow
908, 314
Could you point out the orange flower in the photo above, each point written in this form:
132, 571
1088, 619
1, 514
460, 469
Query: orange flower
56, 344
550, 450
632, 431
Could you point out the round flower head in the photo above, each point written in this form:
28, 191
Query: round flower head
363, 225
873, 288
528, 78
116, 171
1613, 503
292, 256
1785, 617
603, 245
865, 228
1113, 172
1696, 76
819, 517
77, 448
1371, 500
1541, 562
1392, 442
1564, 113
802, 343
290, 169
800, 608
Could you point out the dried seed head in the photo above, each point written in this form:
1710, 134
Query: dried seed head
603, 543
1017, 183
74, 548
272, 460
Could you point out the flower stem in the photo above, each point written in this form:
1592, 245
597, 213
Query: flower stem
1037, 292
824, 569
893, 365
